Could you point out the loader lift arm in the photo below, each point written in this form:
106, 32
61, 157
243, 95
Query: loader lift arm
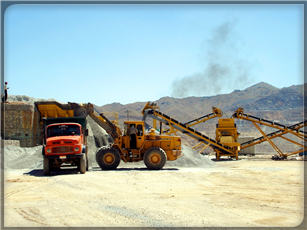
105, 123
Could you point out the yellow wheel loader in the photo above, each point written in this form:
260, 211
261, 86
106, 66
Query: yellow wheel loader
152, 148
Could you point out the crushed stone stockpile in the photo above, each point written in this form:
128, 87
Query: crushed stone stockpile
16, 157
191, 158
25, 99
97, 137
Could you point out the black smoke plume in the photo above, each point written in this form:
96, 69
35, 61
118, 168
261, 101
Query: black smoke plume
224, 67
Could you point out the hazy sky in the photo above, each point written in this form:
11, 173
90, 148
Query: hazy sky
128, 53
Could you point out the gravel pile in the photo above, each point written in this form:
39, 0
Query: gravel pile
25, 99
191, 158
16, 157
97, 137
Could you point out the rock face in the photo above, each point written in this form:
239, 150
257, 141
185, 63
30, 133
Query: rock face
21, 122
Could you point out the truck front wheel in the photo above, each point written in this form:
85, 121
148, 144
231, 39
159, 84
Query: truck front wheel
46, 166
83, 164
108, 158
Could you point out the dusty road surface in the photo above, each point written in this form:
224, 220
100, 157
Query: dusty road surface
230, 193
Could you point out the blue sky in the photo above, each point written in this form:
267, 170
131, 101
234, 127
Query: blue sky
127, 53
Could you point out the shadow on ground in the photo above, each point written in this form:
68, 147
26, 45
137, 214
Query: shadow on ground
135, 169
224, 159
40, 173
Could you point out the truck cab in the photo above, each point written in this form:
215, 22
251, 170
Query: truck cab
63, 139
65, 144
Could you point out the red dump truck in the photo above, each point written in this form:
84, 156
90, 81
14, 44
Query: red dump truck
65, 143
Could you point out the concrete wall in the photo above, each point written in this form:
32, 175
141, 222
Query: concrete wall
21, 122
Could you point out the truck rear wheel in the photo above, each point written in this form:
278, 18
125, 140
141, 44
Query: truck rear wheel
46, 166
108, 158
155, 158
83, 164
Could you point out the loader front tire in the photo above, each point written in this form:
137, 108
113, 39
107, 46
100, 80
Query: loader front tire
108, 158
155, 158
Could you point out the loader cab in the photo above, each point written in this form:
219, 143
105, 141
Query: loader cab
133, 134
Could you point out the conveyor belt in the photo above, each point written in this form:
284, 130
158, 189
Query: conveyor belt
268, 122
197, 119
292, 127
186, 130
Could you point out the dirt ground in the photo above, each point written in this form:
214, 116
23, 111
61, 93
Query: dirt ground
230, 193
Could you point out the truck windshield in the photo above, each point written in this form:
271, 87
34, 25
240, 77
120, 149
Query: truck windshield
63, 130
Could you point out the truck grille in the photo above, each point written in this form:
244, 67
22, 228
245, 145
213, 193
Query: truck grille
63, 149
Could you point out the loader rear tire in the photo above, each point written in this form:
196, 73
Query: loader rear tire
83, 164
108, 158
155, 158
46, 169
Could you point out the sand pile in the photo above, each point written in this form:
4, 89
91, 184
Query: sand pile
97, 137
191, 158
25, 99
23, 158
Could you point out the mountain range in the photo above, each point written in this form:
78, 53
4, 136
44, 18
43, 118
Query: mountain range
285, 105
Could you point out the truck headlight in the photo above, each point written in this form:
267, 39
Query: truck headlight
77, 149
48, 150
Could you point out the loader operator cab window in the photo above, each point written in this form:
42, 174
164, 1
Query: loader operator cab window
139, 130
126, 133
132, 134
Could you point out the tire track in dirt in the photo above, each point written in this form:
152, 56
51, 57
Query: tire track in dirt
32, 215
132, 214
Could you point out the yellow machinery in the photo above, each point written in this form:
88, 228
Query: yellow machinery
129, 146
226, 134
216, 112
226, 141
281, 131
225, 149
155, 149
